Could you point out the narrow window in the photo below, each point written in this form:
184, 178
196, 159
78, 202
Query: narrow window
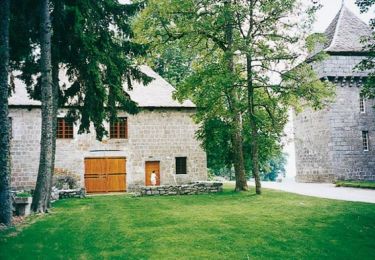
64, 129
119, 128
365, 140
362, 106
181, 165
10, 128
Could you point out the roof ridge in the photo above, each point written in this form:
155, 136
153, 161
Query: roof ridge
336, 30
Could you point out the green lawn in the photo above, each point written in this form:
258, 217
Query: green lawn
222, 226
357, 184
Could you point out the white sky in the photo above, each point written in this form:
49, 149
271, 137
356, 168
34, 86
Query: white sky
331, 7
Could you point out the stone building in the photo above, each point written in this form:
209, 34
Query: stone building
339, 141
155, 146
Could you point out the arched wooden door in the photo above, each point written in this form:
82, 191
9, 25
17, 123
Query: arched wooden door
107, 174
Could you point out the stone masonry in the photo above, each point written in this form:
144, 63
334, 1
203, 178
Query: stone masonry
188, 189
159, 134
329, 143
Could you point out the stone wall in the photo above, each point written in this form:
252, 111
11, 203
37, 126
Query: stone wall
329, 142
189, 189
153, 135
312, 136
25, 147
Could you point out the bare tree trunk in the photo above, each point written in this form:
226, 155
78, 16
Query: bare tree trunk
55, 60
237, 140
253, 127
55, 95
239, 162
5, 199
42, 190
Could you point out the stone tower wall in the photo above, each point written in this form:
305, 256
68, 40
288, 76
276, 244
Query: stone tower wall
312, 138
350, 161
329, 142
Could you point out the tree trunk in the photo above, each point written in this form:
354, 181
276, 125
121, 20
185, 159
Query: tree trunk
42, 189
55, 61
55, 96
237, 140
253, 127
239, 162
5, 199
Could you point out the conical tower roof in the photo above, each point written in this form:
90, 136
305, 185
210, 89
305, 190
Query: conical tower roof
345, 32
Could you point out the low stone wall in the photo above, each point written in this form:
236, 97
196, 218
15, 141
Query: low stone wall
57, 194
189, 189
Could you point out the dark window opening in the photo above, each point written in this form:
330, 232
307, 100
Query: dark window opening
64, 129
181, 165
10, 128
365, 141
362, 107
119, 128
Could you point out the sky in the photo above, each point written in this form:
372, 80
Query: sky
330, 8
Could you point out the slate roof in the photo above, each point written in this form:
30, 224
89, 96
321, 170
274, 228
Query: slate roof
345, 32
158, 93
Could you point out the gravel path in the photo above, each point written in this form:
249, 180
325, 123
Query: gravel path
322, 190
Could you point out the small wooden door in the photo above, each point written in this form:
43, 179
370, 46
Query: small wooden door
105, 174
152, 167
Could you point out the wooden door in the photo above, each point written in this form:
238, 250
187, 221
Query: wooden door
152, 167
105, 174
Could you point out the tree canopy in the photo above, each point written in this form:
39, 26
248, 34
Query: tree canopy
247, 68
92, 45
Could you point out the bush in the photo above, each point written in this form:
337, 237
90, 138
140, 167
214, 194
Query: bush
356, 184
63, 178
23, 194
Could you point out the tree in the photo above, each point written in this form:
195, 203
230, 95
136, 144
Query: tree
247, 68
41, 194
5, 199
174, 64
275, 167
97, 57
368, 64
217, 51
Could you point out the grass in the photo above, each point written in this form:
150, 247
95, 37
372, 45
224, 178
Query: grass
357, 184
222, 226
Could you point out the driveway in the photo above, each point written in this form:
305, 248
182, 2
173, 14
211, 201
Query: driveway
322, 190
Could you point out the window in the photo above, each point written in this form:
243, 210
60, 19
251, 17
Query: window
181, 165
119, 129
64, 129
365, 141
10, 128
362, 106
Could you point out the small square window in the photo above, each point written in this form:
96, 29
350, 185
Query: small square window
365, 140
64, 129
119, 128
181, 165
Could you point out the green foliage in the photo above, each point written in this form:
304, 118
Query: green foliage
23, 194
314, 40
369, 46
365, 5
92, 45
266, 42
221, 226
356, 184
275, 168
